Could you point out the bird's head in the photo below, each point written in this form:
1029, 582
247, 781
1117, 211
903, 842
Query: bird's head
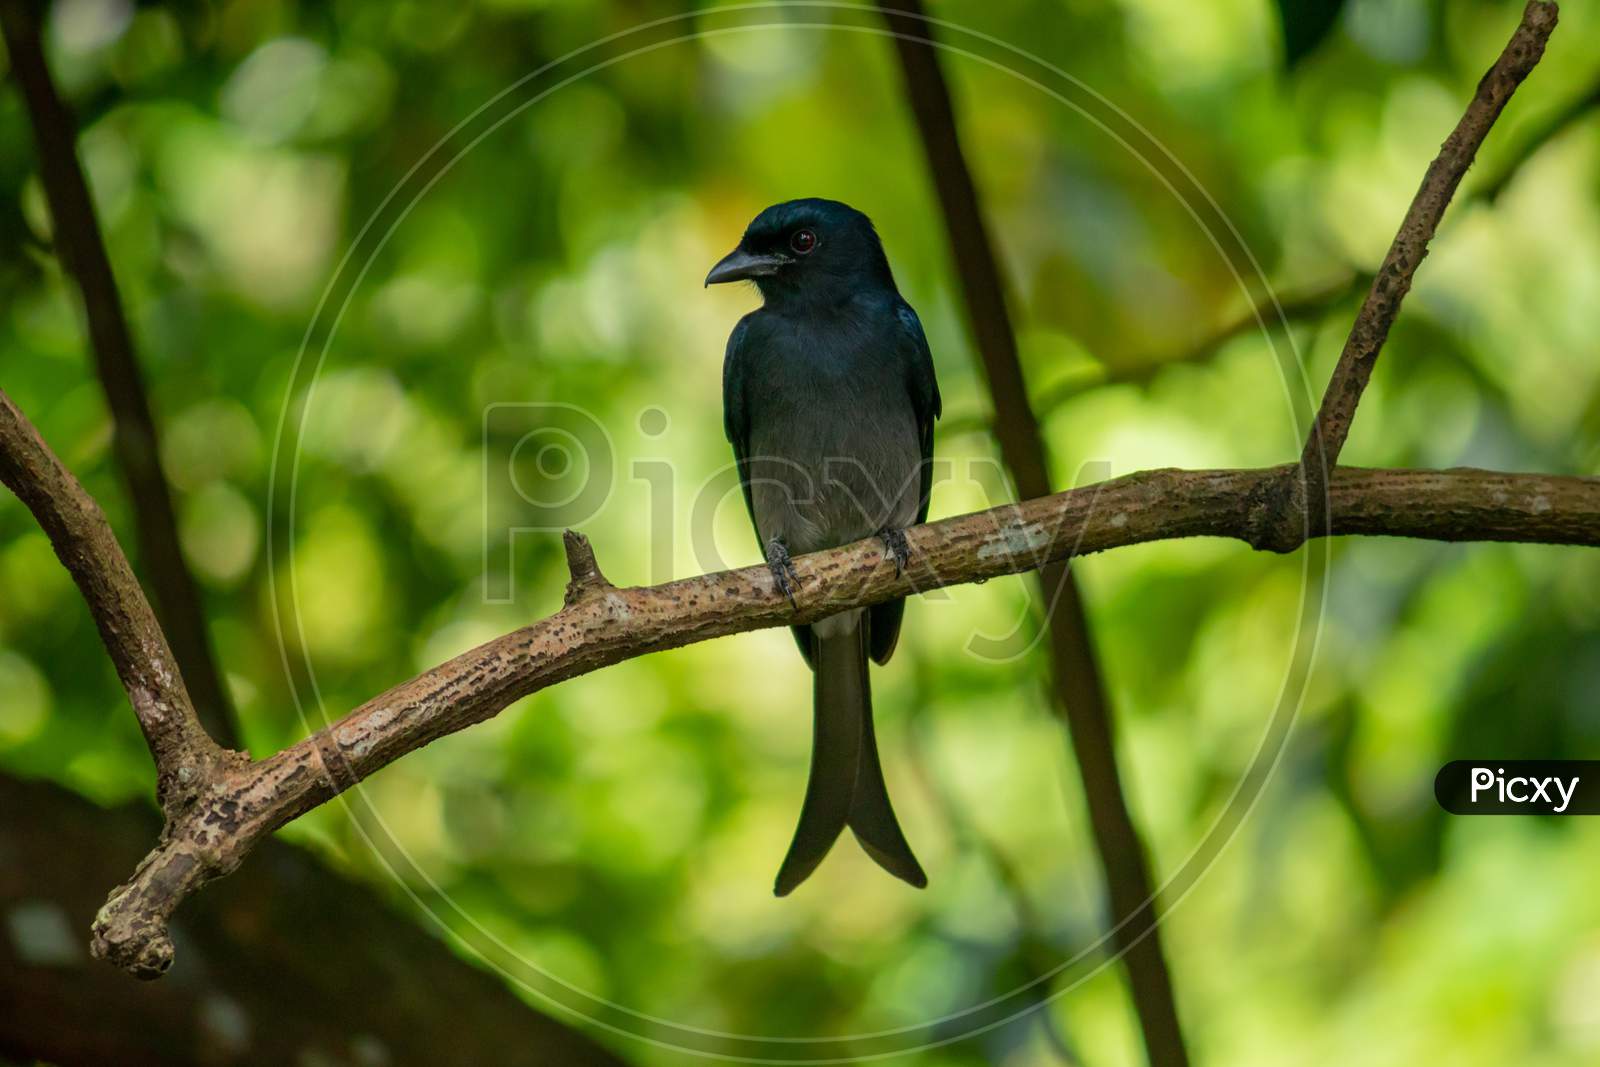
809, 250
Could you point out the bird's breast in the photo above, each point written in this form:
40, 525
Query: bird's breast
834, 450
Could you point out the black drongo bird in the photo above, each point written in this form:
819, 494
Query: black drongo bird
829, 399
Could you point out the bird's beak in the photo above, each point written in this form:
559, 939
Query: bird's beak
739, 265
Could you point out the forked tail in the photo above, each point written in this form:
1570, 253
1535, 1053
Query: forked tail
846, 786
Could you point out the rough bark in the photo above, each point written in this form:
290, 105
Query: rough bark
86, 545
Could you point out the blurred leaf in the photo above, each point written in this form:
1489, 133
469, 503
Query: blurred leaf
1306, 23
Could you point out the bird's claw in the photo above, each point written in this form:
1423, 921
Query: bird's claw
783, 572
896, 545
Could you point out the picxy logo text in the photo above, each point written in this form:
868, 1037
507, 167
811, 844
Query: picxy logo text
1519, 787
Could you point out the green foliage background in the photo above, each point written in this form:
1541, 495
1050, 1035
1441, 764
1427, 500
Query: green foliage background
621, 831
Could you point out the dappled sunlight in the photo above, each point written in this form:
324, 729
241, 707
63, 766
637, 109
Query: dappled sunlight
620, 831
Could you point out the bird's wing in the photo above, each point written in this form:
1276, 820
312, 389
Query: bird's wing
923, 387
911, 348
736, 424
735, 415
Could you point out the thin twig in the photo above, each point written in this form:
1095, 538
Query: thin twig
134, 440
1081, 698
1303, 305
1410, 246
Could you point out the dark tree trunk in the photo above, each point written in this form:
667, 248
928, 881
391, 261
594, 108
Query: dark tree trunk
289, 964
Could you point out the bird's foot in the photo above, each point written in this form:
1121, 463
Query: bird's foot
896, 545
783, 572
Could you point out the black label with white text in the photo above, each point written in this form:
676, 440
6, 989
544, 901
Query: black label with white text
1519, 787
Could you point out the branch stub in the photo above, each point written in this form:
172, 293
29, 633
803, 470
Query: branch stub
586, 579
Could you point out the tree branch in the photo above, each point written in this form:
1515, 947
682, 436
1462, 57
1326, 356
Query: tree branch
1302, 305
184, 754
1080, 695
134, 440
229, 804
1410, 246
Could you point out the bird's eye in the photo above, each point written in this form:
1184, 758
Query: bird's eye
802, 241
